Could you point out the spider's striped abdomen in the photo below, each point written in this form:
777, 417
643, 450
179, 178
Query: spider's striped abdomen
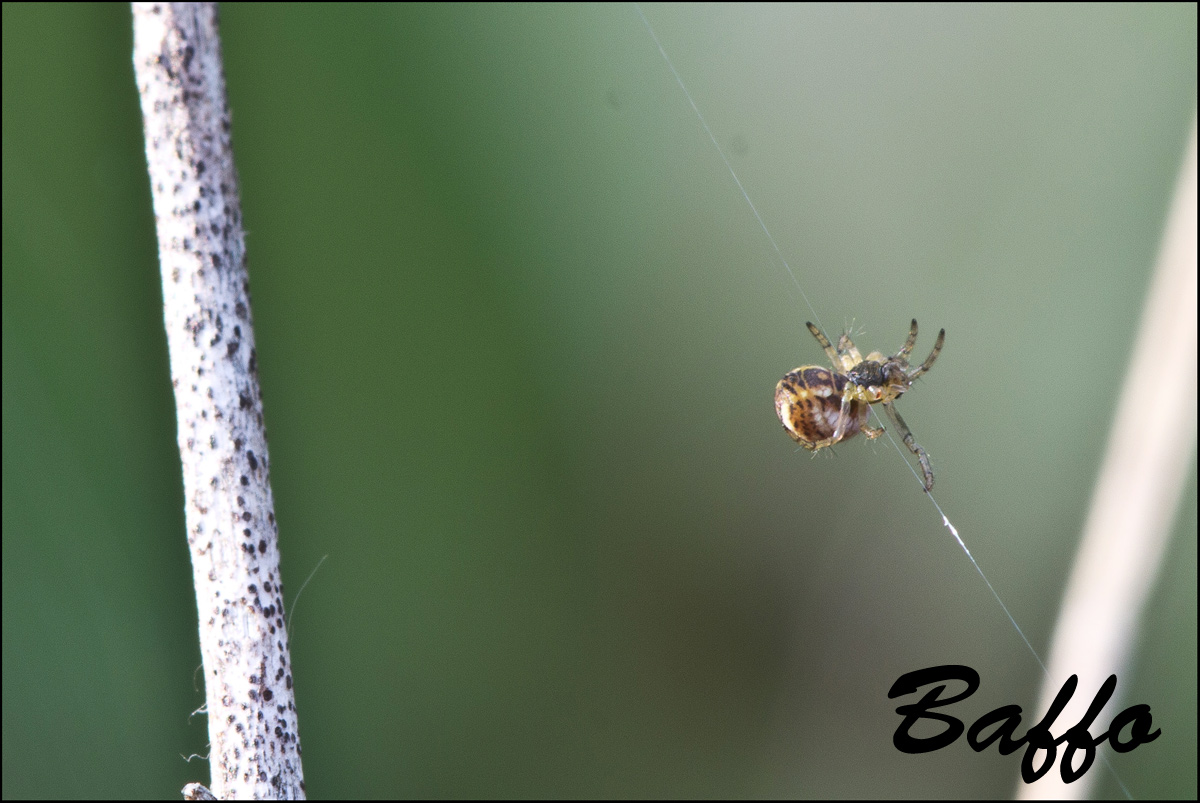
808, 401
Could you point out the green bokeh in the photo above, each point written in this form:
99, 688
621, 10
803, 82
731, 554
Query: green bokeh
518, 333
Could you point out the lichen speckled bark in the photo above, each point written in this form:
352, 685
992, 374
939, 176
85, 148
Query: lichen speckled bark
255, 747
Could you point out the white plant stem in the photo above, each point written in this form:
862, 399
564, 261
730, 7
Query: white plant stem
1137, 495
231, 529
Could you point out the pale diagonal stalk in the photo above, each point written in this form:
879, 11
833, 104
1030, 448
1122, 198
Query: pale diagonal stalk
1136, 499
230, 514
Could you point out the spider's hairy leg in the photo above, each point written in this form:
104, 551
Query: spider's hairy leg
911, 443
849, 353
937, 349
844, 415
907, 348
871, 432
825, 344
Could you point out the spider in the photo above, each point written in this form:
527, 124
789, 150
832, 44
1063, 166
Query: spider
807, 399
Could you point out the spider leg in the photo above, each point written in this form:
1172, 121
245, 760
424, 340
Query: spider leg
907, 348
848, 354
834, 357
911, 443
937, 349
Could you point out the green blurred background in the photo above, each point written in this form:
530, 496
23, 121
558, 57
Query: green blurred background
518, 334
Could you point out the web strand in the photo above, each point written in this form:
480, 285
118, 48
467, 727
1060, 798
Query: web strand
721, 151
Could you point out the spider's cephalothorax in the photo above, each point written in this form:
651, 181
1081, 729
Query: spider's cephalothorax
820, 407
